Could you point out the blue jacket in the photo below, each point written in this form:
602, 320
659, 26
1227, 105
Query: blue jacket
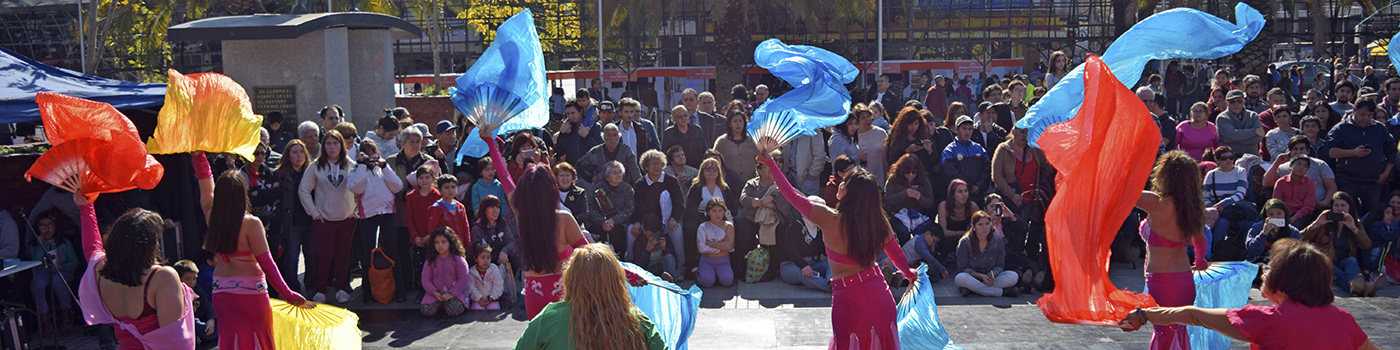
1255, 242
968, 161
1347, 135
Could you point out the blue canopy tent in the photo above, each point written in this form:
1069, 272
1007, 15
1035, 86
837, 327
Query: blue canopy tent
21, 78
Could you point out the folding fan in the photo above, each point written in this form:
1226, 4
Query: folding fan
68, 118
818, 99
321, 327
205, 112
96, 149
503, 92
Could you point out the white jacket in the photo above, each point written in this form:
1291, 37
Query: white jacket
490, 286
333, 186
377, 190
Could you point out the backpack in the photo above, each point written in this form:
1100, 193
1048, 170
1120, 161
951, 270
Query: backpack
758, 264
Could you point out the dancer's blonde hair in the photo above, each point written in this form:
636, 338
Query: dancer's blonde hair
601, 310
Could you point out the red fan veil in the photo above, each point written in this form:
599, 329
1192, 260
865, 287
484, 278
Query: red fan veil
1104, 156
205, 112
96, 148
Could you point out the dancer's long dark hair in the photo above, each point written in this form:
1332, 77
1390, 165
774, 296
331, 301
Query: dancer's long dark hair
226, 217
864, 237
534, 199
131, 246
1176, 176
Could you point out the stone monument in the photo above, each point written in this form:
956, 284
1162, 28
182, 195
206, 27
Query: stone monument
296, 64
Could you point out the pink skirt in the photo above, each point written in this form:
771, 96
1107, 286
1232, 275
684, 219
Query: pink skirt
540, 291
1171, 289
245, 314
863, 312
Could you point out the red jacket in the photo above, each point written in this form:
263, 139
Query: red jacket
455, 216
417, 211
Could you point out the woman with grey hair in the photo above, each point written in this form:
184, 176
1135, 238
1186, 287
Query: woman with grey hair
310, 135
610, 206
660, 195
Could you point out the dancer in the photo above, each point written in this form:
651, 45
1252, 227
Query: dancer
546, 244
146, 302
1176, 205
243, 268
862, 309
597, 313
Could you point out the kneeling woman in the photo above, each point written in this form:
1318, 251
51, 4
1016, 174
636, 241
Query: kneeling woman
862, 309
1298, 280
243, 268
596, 312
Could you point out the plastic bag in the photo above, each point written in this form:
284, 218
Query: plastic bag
758, 264
205, 112
1104, 156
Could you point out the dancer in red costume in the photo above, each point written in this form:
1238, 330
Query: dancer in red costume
862, 309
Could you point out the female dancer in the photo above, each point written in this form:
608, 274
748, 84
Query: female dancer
545, 244
862, 310
1179, 211
243, 266
597, 313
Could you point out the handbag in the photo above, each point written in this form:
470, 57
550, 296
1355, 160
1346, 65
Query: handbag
757, 264
381, 276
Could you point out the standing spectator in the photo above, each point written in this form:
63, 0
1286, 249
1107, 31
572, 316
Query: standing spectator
1324, 181
638, 134
1327, 119
445, 276
278, 132
843, 140
690, 101
918, 90
684, 134
909, 198
611, 206
598, 92
1017, 169
1217, 103
1391, 102
660, 195
409, 157
330, 182
909, 136
936, 99
574, 138
1018, 104
296, 223
806, 159
1339, 234
880, 115
331, 116
967, 160
1198, 134
988, 134
419, 200
982, 260
760, 95
1276, 140
556, 103
1222, 80
714, 238
591, 165
736, 146
386, 135
883, 95
446, 151
485, 283
1296, 190
871, 140
310, 135
676, 161
1239, 127
717, 121
1344, 94
486, 185
1364, 152
448, 212
377, 226
1059, 67
525, 149
1166, 122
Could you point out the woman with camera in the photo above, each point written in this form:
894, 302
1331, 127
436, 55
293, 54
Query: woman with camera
1338, 233
376, 213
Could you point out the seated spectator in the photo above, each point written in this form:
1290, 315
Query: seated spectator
1339, 235
764, 214
1272, 226
494, 231
1383, 227
966, 160
1276, 140
54, 278
487, 185
908, 198
653, 252
676, 159
803, 257
954, 218
921, 250
1014, 230
1198, 134
843, 141
714, 239
1296, 190
590, 167
525, 149
572, 196
204, 329
485, 282
1238, 126
806, 159
840, 169
981, 259
987, 133
1225, 188
1324, 182
661, 195
1017, 169
708, 185
1302, 315
445, 276
610, 207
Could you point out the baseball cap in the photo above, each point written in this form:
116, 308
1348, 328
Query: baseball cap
444, 126
605, 106
963, 119
1234, 94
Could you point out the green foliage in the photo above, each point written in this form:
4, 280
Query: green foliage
134, 31
556, 21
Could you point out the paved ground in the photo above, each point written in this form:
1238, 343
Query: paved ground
773, 315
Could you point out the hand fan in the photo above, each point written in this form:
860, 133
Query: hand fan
96, 149
321, 327
205, 112
504, 91
818, 99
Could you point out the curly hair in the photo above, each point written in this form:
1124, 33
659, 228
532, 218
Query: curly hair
899, 133
1176, 176
454, 244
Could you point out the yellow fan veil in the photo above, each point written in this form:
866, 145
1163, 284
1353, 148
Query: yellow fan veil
322, 327
205, 112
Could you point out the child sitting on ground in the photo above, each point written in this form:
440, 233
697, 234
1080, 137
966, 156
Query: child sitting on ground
714, 239
486, 283
445, 276
203, 310
652, 252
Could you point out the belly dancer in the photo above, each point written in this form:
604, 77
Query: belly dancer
1175, 214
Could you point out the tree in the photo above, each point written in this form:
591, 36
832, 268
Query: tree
134, 32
